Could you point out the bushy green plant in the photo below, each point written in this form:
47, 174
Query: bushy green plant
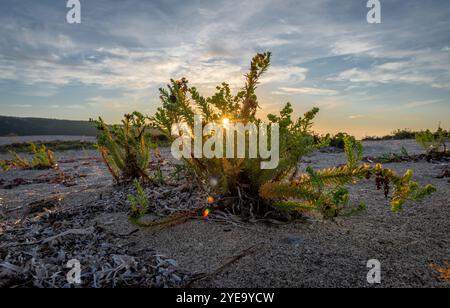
259, 190
42, 159
139, 204
126, 149
338, 140
433, 142
401, 134
236, 177
325, 190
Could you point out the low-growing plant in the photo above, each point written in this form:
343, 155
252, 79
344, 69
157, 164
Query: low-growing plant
433, 142
4, 165
404, 152
392, 157
139, 204
338, 140
126, 149
399, 134
325, 190
158, 176
42, 158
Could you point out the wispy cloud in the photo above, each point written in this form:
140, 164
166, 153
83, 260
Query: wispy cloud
305, 90
330, 104
354, 117
417, 104
352, 46
386, 73
76, 107
22, 106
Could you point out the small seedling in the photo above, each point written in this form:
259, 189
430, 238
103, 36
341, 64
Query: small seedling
139, 204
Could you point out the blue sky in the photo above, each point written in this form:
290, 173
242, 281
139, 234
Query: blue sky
368, 79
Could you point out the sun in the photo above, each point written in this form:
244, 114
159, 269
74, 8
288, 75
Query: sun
226, 122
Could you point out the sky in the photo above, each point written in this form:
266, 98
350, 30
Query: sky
368, 79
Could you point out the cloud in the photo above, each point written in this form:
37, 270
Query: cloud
400, 72
354, 117
75, 107
22, 106
352, 46
392, 66
272, 42
329, 104
285, 74
439, 85
416, 104
305, 90
126, 102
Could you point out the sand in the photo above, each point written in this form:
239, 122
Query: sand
308, 252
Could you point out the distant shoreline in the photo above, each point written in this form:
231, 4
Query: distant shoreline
8, 140
15, 126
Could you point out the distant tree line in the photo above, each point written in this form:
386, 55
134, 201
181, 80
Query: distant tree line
14, 126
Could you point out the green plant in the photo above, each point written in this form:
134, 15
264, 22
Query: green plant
240, 178
139, 204
54, 145
325, 190
404, 152
158, 176
433, 142
401, 134
393, 157
126, 149
42, 159
4, 165
354, 151
255, 190
338, 140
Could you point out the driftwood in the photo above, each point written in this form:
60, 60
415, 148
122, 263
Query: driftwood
445, 173
40, 206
